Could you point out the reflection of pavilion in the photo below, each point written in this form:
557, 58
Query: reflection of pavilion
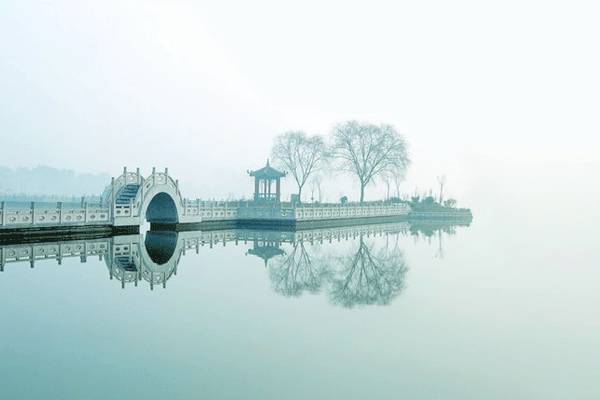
266, 251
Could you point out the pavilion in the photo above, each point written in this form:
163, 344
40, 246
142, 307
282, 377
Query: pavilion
263, 184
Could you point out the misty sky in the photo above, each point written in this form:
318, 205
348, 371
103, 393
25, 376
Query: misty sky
479, 89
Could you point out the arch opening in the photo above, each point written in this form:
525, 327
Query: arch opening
161, 245
162, 210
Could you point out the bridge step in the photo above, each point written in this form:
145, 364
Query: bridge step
127, 193
125, 263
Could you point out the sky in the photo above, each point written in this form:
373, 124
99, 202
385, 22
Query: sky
481, 90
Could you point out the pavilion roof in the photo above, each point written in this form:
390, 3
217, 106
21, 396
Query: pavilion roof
267, 172
266, 252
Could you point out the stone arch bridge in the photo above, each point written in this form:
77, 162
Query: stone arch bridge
134, 199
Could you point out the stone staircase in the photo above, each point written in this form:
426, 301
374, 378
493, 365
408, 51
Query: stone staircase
125, 263
127, 193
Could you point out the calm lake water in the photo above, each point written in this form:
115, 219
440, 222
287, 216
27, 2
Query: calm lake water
507, 308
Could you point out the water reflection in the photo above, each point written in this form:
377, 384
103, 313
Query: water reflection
297, 271
364, 274
368, 276
153, 259
357, 265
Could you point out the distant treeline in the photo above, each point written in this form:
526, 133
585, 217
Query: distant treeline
49, 184
51, 198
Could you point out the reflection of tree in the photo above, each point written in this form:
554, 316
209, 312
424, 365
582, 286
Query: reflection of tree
295, 272
369, 278
430, 228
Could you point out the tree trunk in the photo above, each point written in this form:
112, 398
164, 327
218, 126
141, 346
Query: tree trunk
362, 192
299, 194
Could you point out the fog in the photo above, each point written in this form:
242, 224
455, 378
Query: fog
499, 96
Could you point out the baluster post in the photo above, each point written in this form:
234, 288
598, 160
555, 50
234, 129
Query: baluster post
142, 184
112, 192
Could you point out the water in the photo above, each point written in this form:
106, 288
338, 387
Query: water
506, 308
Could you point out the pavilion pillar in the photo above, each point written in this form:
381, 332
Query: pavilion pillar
269, 189
256, 188
278, 190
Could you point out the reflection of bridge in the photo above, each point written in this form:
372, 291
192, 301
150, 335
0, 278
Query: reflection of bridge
131, 199
154, 257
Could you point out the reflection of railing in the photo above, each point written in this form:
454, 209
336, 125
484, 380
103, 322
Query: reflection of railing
194, 239
56, 251
85, 214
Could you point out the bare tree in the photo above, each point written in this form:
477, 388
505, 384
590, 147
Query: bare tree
316, 182
397, 178
300, 154
387, 180
394, 176
442, 181
368, 150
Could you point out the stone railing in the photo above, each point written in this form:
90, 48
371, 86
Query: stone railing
249, 210
311, 212
265, 212
33, 216
159, 178
212, 210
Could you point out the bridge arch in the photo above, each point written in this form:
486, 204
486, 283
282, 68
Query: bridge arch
159, 200
160, 207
